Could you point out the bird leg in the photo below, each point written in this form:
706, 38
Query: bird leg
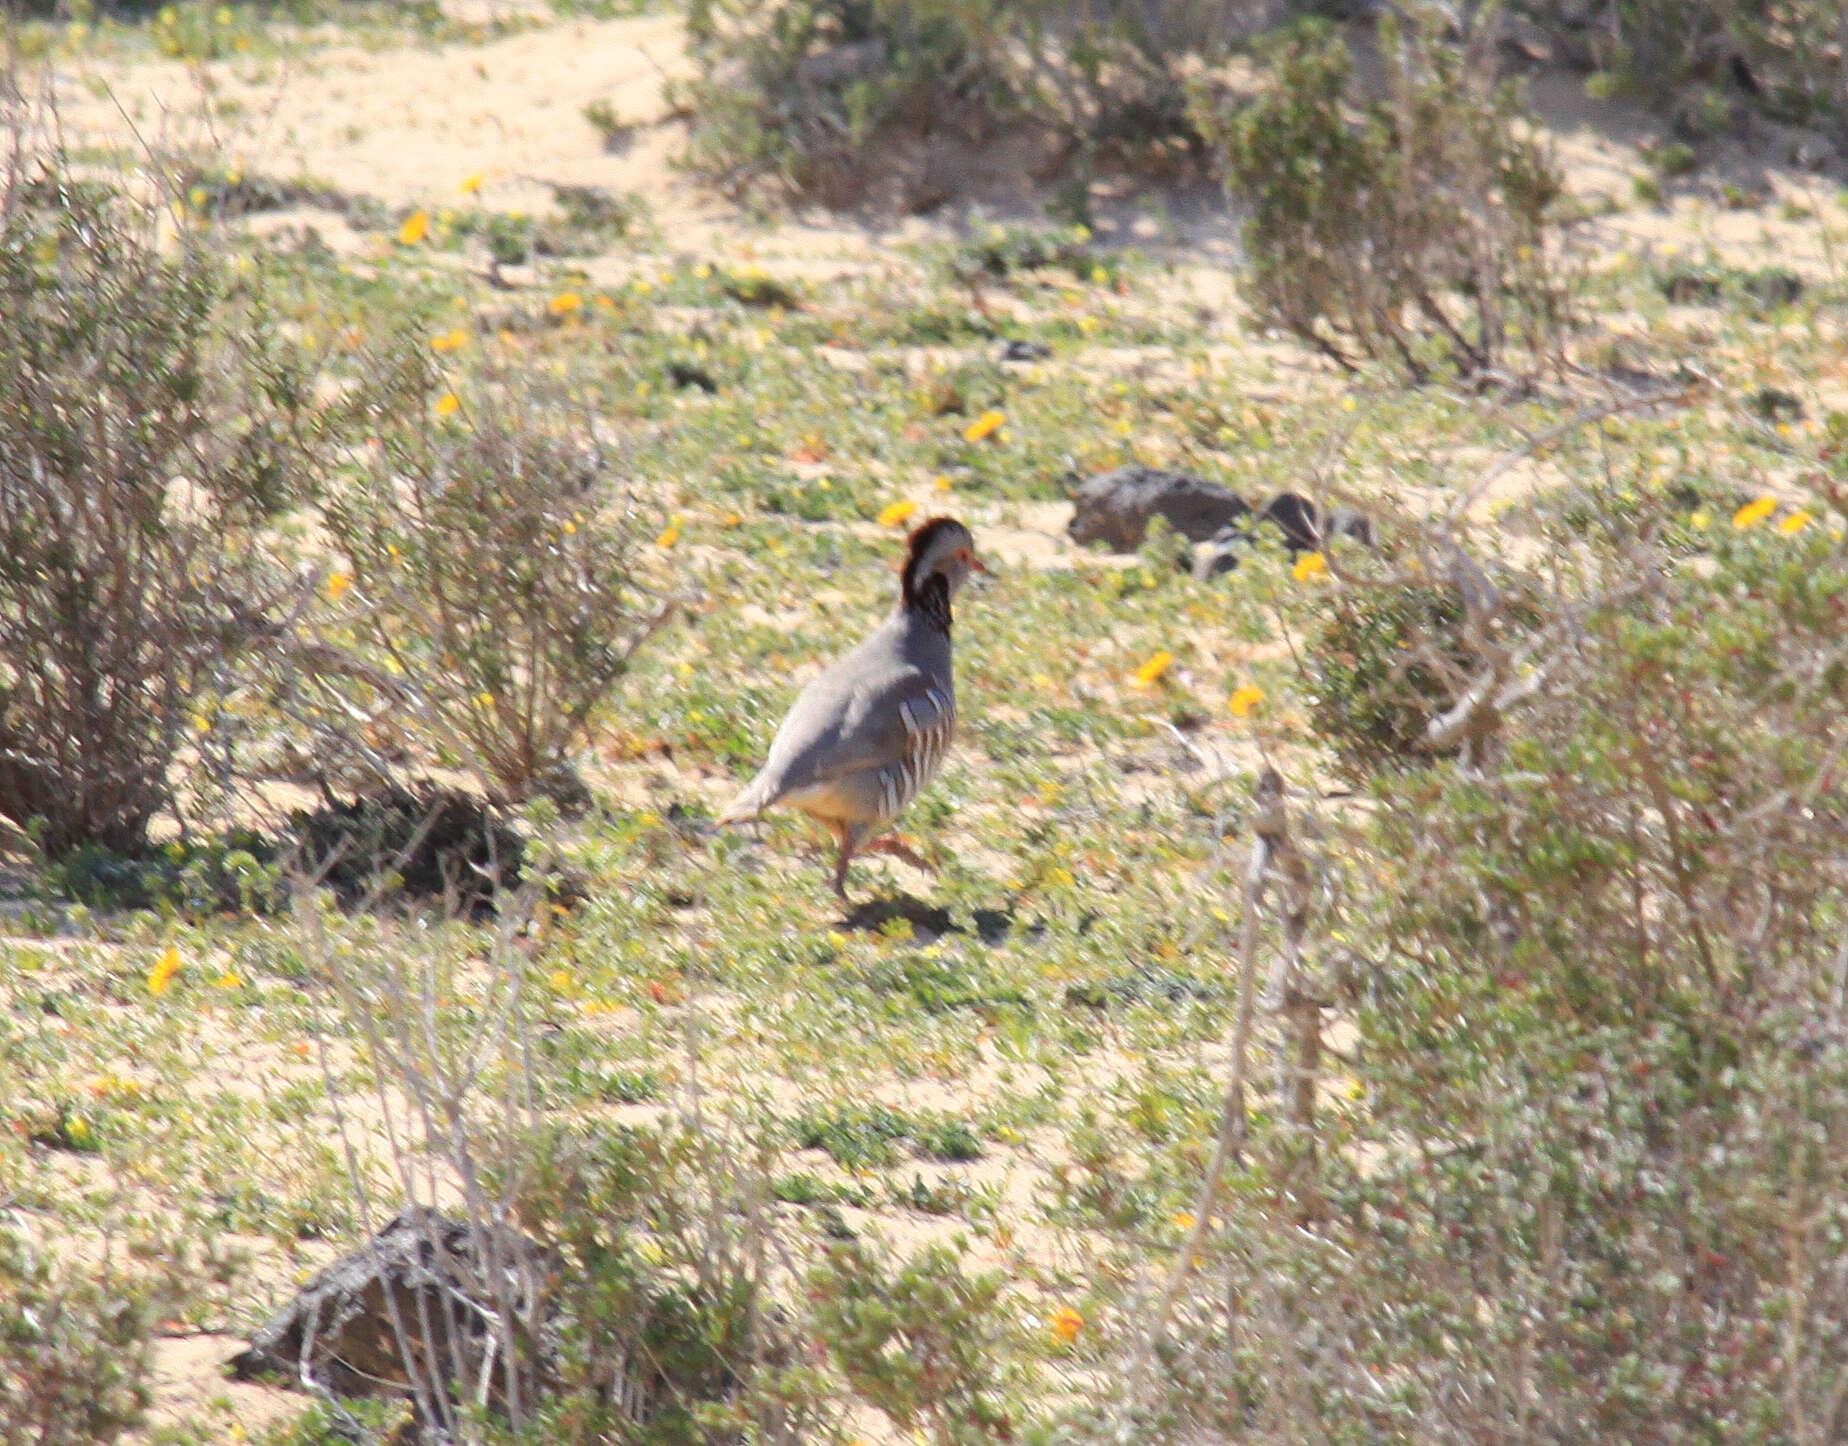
892, 844
843, 836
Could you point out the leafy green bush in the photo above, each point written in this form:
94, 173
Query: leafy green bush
668, 1333
1374, 687
1594, 1186
73, 1351
810, 94
151, 426
798, 90
924, 1342
1420, 229
1707, 61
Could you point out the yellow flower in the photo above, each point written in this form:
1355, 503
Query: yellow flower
336, 585
1699, 521
228, 980
1066, 1323
1099, 275
416, 226
1154, 668
446, 404
669, 535
943, 481
161, 975
564, 303
1753, 513
1796, 522
1348, 404
449, 340
1245, 699
897, 512
1308, 565
471, 183
202, 723
199, 196
561, 980
983, 425
1182, 1220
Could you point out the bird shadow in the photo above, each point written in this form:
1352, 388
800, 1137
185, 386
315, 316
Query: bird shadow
930, 922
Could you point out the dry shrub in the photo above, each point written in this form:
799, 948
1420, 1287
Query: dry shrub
150, 429
1417, 230
489, 585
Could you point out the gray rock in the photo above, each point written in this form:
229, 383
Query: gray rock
1295, 519
422, 1287
1115, 507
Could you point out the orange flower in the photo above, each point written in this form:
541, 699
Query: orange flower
446, 404
984, 425
1754, 513
1308, 565
897, 512
1796, 522
416, 226
337, 584
161, 975
1154, 668
1245, 699
449, 340
1066, 1323
564, 303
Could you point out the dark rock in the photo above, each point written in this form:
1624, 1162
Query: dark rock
1295, 519
689, 374
434, 842
1025, 351
1115, 507
422, 1289
841, 65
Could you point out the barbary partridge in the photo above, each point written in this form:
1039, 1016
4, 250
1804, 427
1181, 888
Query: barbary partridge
871, 731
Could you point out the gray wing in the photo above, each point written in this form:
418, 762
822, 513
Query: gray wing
853, 722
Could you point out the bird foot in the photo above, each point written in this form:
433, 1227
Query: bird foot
899, 849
